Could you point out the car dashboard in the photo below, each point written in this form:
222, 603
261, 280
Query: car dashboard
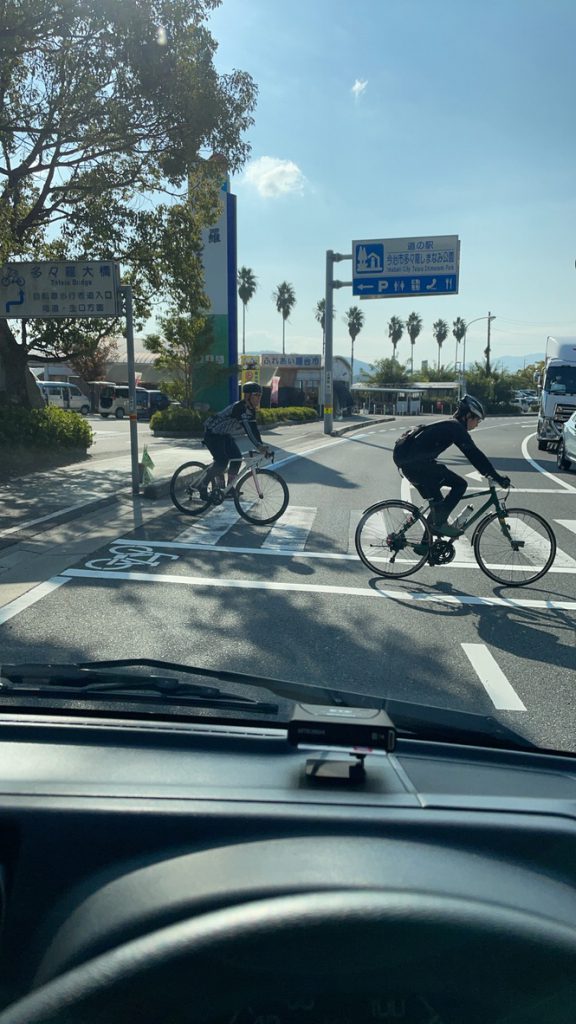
183, 871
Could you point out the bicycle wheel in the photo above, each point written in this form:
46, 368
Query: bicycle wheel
262, 500
386, 536
184, 488
515, 550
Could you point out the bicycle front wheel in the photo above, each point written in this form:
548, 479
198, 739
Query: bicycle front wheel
185, 488
261, 496
387, 535
516, 549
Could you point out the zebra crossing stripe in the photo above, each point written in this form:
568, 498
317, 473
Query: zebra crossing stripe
210, 529
292, 530
570, 524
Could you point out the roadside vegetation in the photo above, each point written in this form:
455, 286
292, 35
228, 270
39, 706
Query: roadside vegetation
32, 440
190, 422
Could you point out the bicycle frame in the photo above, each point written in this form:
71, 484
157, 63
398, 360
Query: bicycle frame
250, 462
493, 502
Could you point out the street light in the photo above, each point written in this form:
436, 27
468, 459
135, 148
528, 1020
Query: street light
490, 317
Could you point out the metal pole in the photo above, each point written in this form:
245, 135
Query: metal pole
126, 291
328, 389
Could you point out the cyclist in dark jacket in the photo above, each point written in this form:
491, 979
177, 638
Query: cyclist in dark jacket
415, 453
235, 420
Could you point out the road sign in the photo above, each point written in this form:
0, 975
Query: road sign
394, 267
66, 288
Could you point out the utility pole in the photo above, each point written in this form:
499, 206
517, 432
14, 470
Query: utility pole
487, 353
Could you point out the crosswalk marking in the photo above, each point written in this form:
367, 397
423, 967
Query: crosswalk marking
570, 524
289, 536
210, 529
292, 530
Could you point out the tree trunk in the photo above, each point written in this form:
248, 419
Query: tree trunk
17, 386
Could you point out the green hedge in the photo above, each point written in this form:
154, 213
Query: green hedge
190, 422
48, 428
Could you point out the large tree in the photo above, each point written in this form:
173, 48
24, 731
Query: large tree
285, 299
104, 104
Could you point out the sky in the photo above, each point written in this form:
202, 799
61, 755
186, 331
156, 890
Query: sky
408, 118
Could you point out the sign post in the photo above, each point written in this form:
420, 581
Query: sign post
73, 289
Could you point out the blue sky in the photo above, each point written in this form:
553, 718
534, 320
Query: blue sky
398, 118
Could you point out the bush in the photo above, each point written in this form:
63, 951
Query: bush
190, 422
177, 420
42, 429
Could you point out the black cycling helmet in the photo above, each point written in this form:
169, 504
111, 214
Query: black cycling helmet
469, 404
251, 388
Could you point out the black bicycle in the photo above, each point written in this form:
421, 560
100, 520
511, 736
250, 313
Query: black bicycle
260, 495
513, 546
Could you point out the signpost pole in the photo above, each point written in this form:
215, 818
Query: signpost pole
328, 360
126, 291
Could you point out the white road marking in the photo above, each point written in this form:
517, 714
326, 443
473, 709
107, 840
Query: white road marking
292, 530
210, 529
23, 602
557, 480
501, 692
463, 550
570, 524
310, 588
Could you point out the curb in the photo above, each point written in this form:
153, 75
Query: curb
361, 426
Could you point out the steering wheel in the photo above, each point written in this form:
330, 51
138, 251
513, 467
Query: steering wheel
494, 961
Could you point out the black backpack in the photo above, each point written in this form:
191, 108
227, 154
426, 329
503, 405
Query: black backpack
402, 452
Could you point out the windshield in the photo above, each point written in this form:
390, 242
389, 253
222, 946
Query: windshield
561, 380
363, 214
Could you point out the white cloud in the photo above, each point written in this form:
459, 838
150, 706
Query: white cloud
358, 88
274, 177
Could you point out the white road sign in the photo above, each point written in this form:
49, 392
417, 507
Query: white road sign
66, 288
392, 267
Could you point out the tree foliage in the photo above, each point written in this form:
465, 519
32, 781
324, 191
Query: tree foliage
284, 298
387, 371
104, 104
395, 332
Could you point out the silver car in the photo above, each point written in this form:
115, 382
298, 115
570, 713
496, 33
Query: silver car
566, 452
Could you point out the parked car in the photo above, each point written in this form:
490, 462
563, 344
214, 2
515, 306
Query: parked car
114, 401
566, 451
64, 395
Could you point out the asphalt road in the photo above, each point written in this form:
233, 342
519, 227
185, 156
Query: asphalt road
293, 601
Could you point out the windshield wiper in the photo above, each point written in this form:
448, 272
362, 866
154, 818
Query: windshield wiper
90, 680
102, 681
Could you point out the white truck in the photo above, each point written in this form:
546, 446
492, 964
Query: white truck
557, 391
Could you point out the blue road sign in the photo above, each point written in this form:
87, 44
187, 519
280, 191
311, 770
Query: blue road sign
393, 267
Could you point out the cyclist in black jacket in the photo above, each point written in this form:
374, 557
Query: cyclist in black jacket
235, 420
415, 453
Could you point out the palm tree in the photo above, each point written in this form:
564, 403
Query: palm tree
458, 330
395, 332
440, 330
354, 320
413, 326
285, 300
320, 316
246, 289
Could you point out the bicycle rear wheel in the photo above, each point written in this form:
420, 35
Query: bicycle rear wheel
515, 550
386, 536
185, 488
261, 498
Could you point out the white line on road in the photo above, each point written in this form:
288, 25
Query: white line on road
311, 588
466, 554
569, 524
536, 465
35, 594
501, 692
292, 530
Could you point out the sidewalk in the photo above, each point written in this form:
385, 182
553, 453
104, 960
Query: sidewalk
36, 502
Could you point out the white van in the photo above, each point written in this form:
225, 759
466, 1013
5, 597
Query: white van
64, 395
